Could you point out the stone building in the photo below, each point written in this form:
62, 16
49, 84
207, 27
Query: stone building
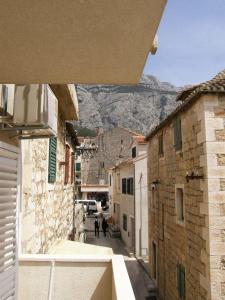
113, 147
186, 175
47, 210
128, 197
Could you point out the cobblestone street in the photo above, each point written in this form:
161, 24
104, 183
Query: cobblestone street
140, 280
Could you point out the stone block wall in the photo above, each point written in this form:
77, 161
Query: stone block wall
214, 192
46, 212
178, 243
113, 146
199, 244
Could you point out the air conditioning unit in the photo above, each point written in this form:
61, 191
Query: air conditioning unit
35, 110
6, 101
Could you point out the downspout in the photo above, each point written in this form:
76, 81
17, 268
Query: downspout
134, 213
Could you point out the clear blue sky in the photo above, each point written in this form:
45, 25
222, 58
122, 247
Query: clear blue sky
191, 42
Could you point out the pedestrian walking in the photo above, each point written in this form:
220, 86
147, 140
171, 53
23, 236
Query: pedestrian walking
97, 225
104, 226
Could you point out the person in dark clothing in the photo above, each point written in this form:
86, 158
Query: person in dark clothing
104, 226
96, 226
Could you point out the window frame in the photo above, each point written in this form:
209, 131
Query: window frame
4, 100
72, 168
130, 186
161, 144
154, 260
125, 222
67, 164
177, 133
52, 159
181, 281
124, 186
177, 204
134, 152
79, 169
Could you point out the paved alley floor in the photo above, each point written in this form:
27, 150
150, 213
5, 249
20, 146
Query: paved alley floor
139, 278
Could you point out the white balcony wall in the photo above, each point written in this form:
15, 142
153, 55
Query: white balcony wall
73, 277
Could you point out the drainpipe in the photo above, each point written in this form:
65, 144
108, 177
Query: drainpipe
134, 213
140, 233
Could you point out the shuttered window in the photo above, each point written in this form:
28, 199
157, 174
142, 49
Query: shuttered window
125, 222
134, 152
154, 260
130, 186
124, 185
177, 134
78, 167
52, 159
4, 99
160, 141
67, 164
8, 197
181, 281
72, 167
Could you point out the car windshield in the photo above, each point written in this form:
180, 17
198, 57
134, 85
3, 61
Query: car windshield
91, 202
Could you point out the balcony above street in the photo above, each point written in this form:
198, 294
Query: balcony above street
74, 277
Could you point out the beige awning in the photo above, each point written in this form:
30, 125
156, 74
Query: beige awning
77, 41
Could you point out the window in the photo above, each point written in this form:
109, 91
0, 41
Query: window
72, 167
124, 222
177, 134
124, 186
130, 186
154, 260
134, 152
110, 180
67, 163
5, 99
181, 281
160, 141
78, 167
52, 159
102, 164
180, 204
118, 182
114, 207
153, 198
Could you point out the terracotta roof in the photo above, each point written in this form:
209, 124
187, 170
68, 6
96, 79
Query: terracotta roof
215, 85
139, 139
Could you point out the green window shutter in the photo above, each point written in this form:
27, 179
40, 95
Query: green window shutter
177, 134
160, 141
78, 167
124, 186
52, 160
181, 281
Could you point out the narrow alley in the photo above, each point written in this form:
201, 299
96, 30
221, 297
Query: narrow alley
140, 280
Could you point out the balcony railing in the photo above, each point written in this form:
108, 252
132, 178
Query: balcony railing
73, 277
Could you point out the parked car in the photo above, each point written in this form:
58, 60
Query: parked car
92, 205
89, 205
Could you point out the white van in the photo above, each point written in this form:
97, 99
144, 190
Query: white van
89, 205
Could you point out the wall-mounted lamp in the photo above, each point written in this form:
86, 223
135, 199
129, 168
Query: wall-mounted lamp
154, 184
193, 176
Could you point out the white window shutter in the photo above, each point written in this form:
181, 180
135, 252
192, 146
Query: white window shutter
8, 224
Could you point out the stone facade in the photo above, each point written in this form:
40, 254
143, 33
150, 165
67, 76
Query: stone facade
122, 204
47, 209
198, 241
141, 206
132, 203
113, 147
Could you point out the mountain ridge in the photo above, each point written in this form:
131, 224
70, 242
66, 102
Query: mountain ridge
138, 108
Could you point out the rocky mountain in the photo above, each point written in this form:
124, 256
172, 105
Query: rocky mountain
138, 108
